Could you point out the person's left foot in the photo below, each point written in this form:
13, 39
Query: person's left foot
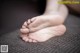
47, 33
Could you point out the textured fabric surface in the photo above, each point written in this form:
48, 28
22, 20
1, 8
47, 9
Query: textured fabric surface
68, 43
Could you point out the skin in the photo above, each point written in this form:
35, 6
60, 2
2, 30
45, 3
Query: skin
50, 24
44, 34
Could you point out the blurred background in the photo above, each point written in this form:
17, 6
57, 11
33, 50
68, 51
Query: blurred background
13, 13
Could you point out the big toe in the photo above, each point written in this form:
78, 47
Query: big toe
26, 30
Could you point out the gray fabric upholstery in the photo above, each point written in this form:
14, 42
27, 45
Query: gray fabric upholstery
68, 43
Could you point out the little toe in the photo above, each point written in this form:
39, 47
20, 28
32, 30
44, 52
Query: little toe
23, 26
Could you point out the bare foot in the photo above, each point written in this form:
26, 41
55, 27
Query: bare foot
47, 33
44, 21
40, 29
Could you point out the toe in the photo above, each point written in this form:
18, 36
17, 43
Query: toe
33, 19
24, 38
27, 39
23, 27
30, 40
25, 24
29, 21
34, 41
24, 30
